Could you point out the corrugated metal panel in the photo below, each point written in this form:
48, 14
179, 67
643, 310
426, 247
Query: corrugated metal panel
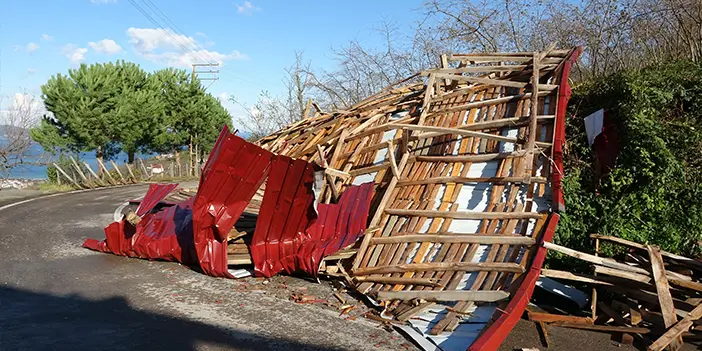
233, 173
290, 235
195, 231
155, 194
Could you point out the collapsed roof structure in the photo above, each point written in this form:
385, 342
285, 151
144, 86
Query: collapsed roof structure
455, 172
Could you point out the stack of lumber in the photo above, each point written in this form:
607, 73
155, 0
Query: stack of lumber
648, 294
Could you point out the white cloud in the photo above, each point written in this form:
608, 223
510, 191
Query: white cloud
99, 2
106, 46
47, 37
149, 39
31, 71
168, 48
223, 97
246, 8
74, 54
31, 47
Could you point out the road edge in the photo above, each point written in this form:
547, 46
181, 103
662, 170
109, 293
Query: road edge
24, 201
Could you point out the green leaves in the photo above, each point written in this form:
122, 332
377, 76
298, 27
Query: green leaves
654, 194
113, 106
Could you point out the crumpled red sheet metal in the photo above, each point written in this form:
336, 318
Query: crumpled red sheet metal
195, 231
155, 194
290, 235
232, 174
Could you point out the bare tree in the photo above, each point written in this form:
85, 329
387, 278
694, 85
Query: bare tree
272, 112
614, 34
21, 113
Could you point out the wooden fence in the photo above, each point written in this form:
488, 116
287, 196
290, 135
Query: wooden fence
83, 176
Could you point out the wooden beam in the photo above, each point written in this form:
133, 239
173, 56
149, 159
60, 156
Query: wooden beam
114, 165
462, 215
494, 180
464, 238
663, 290
463, 132
604, 328
399, 280
456, 295
442, 266
593, 259
494, 82
494, 124
682, 259
674, 332
641, 278
67, 176
551, 318
584, 278
468, 158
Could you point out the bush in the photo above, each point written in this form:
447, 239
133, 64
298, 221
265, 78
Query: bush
654, 194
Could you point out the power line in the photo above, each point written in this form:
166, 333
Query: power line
176, 30
165, 31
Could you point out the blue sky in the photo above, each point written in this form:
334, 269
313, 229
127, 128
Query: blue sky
254, 40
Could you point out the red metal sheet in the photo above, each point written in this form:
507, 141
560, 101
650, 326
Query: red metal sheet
155, 194
559, 139
195, 231
290, 236
233, 173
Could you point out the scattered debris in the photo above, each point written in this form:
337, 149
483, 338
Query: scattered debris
648, 291
451, 177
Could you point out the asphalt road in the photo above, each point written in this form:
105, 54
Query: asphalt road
56, 295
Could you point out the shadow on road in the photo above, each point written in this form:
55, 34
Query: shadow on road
30, 320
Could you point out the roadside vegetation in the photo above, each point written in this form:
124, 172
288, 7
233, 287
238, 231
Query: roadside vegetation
113, 107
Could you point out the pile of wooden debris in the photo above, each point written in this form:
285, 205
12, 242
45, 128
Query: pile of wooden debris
648, 294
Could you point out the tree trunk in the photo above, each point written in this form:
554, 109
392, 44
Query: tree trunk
190, 161
99, 156
176, 155
130, 157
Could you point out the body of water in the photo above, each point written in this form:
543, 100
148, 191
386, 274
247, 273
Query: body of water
39, 171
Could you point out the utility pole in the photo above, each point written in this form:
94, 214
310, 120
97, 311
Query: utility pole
211, 74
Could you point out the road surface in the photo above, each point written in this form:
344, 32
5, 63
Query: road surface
56, 295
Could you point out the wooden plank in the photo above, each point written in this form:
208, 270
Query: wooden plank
497, 123
552, 318
584, 278
391, 157
462, 215
663, 290
494, 180
465, 238
674, 332
379, 213
456, 295
603, 328
114, 165
67, 176
131, 173
681, 259
399, 280
494, 82
463, 132
593, 259
99, 181
441, 266
468, 158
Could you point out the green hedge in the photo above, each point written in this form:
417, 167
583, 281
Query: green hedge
654, 194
